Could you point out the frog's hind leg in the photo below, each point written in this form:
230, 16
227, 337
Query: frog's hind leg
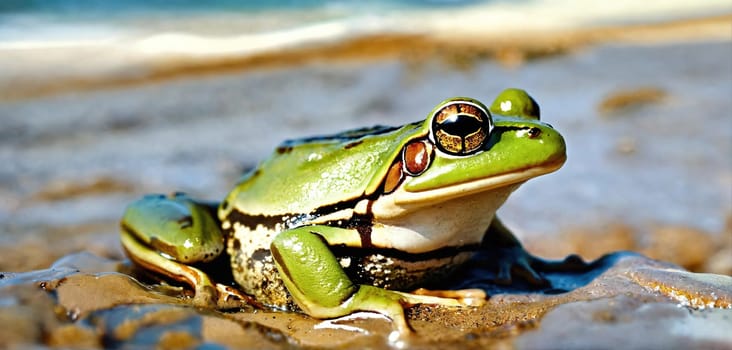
318, 284
165, 234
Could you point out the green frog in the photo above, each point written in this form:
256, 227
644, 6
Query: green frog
352, 222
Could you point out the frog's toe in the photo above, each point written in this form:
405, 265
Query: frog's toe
466, 297
525, 268
206, 296
572, 262
575, 262
517, 263
503, 275
232, 298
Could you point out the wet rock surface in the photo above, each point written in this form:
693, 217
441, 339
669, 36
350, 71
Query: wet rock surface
624, 300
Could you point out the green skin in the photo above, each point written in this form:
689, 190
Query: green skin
325, 203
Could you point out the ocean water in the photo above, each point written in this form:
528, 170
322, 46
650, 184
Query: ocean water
85, 7
227, 26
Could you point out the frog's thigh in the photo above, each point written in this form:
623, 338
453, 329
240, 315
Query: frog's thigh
311, 272
322, 289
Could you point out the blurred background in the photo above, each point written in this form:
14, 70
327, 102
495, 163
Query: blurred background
101, 102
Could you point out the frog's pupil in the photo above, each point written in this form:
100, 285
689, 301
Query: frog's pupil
461, 125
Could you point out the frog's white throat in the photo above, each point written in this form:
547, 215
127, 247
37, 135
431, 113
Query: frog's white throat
455, 222
450, 216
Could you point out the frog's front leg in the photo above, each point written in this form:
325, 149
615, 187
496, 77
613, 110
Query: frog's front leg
322, 289
165, 235
512, 259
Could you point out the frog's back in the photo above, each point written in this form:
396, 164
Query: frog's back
304, 175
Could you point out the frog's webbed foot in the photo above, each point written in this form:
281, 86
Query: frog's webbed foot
571, 263
511, 260
515, 261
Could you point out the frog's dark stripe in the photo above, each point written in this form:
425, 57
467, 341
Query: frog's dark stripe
251, 221
363, 223
364, 232
495, 135
510, 128
336, 207
348, 135
284, 149
152, 241
269, 222
353, 144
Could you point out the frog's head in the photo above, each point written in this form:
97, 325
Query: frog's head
464, 148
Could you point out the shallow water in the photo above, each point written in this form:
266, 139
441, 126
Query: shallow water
139, 29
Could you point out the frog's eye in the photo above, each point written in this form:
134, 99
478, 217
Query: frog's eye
516, 102
461, 127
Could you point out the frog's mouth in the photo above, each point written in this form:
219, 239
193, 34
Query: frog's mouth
403, 197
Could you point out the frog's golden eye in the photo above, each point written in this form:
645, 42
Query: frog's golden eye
461, 127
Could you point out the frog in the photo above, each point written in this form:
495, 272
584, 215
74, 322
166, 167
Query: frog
358, 221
